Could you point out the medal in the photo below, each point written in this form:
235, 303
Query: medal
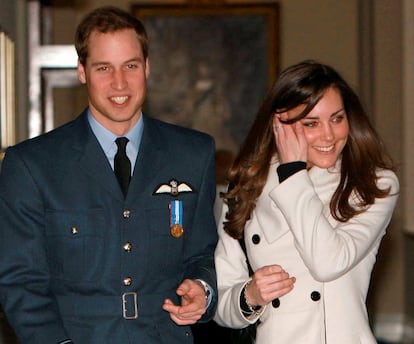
177, 231
176, 219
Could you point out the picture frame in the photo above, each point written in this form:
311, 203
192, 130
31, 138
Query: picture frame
7, 92
210, 65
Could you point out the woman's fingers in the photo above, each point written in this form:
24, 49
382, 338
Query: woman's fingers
269, 282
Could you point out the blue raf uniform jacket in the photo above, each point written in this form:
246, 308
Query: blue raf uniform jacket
80, 262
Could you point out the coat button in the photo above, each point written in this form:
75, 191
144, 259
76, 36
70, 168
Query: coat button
127, 281
127, 247
74, 230
276, 303
315, 296
126, 214
255, 239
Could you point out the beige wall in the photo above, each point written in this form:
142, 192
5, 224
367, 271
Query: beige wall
326, 30
387, 117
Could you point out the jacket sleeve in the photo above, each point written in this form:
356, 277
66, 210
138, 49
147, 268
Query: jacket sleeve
199, 249
24, 272
330, 249
232, 275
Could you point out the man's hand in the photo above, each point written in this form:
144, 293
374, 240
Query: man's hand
193, 303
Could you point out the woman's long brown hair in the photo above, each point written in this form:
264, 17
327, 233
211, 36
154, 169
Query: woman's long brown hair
305, 84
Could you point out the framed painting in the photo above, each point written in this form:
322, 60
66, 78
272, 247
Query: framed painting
211, 65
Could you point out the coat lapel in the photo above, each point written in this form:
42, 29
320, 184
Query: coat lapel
151, 157
92, 158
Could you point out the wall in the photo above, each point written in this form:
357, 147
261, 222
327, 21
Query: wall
408, 165
13, 21
387, 108
309, 29
7, 17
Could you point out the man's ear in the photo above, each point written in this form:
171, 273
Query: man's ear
147, 68
81, 73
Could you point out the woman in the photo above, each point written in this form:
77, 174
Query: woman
312, 194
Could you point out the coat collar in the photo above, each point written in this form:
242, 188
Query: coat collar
92, 158
267, 214
151, 156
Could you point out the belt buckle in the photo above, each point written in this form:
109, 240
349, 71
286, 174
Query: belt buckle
125, 297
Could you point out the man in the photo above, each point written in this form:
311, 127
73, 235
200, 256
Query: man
85, 258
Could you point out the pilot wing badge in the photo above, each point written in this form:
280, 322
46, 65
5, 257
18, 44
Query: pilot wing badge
174, 188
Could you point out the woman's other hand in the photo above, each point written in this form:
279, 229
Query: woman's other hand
267, 284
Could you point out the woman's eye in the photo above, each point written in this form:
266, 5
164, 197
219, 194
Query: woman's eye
310, 124
338, 119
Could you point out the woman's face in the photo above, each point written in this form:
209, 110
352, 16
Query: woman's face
326, 130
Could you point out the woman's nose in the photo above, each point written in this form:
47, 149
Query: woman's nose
328, 133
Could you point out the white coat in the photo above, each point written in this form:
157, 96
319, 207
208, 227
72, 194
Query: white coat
332, 261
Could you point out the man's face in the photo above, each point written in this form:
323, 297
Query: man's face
115, 74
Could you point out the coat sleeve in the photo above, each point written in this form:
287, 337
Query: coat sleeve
331, 249
232, 275
24, 274
199, 251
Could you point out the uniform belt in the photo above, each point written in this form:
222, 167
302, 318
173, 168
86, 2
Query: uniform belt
127, 305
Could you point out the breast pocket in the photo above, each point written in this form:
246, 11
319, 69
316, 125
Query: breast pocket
75, 243
171, 241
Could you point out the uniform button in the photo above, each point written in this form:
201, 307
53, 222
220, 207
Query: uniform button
127, 247
127, 281
74, 230
187, 334
126, 214
255, 239
315, 296
276, 303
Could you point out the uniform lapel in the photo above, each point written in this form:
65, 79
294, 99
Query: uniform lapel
92, 159
151, 157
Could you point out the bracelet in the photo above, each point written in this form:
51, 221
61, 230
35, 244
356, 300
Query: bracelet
247, 309
251, 308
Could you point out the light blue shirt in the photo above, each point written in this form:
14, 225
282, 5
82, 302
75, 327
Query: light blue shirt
106, 139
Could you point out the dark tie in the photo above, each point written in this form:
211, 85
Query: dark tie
122, 165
